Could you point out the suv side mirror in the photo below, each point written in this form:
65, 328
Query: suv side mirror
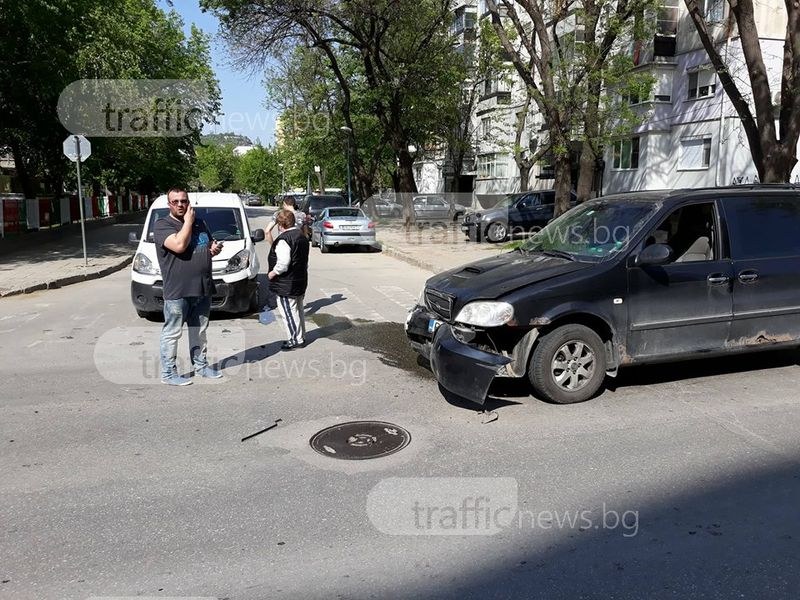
133, 238
654, 255
258, 236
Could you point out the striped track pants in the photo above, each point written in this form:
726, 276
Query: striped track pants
294, 320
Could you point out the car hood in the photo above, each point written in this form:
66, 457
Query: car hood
496, 276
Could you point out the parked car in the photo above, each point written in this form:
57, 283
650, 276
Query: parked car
347, 226
234, 270
436, 208
617, 281
386, 208
515, 213
312, 205
252, 200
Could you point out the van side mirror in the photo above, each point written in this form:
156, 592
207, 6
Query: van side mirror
258, 235
654, 255
133, 238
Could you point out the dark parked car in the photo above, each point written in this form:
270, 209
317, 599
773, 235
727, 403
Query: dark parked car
516, 213
621, 280
313, 205
436, 208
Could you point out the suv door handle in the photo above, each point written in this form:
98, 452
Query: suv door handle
748, 276
718, 279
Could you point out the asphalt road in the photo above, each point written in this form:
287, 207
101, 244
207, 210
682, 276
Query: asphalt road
681, 481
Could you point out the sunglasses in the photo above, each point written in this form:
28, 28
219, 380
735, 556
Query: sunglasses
179, 202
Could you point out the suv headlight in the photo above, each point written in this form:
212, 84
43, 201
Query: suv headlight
145, 266
486, 314
239, 261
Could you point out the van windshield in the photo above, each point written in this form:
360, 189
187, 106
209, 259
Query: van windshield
593, 230
225, 224
321, 202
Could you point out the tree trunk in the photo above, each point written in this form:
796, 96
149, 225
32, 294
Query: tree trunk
778, 166
524, 175
563, 182
586, 172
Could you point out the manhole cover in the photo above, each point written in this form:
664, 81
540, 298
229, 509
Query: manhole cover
359, 440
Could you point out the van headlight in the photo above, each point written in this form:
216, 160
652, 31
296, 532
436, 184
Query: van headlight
145, 266
238, 262
486, 314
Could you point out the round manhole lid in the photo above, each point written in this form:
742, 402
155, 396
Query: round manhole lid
359, 440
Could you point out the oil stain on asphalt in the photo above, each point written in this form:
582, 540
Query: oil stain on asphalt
387, 340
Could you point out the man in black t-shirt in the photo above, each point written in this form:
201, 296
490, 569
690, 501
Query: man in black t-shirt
184, 247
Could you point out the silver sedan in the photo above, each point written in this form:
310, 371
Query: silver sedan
342, 226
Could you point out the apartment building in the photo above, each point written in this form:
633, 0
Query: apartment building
691, 135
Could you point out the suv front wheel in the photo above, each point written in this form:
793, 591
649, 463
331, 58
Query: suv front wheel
568, 364
496, 232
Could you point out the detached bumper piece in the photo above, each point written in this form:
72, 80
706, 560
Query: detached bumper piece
461, 368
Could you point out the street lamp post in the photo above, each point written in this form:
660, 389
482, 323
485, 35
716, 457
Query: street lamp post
348, 131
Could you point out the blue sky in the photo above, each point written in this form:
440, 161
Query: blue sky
243, 95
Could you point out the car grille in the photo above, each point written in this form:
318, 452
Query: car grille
441, 304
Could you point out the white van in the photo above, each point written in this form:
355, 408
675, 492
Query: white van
234, 269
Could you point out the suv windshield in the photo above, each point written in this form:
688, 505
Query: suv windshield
320, 202
594, 230
225, 224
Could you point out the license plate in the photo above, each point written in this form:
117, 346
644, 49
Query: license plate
433, 324
351, 227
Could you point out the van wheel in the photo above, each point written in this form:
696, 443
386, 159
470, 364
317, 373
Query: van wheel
568, 365
150, 316
496, 232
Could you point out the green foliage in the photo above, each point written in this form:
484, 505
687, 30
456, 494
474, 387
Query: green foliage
47, 44
258, 172
216, 168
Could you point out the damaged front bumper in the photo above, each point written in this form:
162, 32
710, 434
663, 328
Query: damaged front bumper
459, 367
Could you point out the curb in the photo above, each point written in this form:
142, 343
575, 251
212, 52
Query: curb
63, 281
400, 255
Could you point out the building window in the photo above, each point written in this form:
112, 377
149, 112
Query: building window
702, 84
714, 10
662, 90
463, 21
667, 19
626, 154
695, 153
486, 127
492, 166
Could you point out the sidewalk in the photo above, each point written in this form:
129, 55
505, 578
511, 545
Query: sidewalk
58, 260
435, 249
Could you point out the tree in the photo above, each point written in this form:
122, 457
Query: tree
774, 151
565, 77
257, 172
407, 71
48, 44
216, 168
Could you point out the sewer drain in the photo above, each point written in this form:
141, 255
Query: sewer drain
359, 440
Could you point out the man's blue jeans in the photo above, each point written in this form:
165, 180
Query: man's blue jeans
194, 312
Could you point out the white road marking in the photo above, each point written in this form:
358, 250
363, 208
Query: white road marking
400, 296
353, 299
32, 344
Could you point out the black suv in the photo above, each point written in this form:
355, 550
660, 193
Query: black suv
313, 205
616, 281
515, 213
